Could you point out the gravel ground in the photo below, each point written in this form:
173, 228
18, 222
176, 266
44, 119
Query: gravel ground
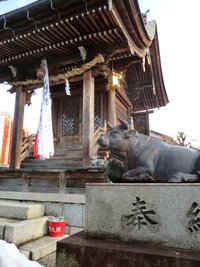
49, 260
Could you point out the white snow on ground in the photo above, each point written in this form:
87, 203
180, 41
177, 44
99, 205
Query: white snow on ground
10, 256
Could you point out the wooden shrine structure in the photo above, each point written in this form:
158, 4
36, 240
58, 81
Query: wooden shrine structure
85, 42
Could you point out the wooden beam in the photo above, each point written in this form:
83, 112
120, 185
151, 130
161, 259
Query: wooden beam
17, 129
139, 113
56, 64
140, 84
133, 90
112, 107
88, 116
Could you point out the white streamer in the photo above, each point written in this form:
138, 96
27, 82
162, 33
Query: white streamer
45, 145
67, 87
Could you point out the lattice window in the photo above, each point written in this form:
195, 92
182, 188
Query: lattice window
97, 112
70, 117
140, 123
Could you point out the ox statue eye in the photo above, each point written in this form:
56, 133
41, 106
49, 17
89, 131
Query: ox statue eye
116, 134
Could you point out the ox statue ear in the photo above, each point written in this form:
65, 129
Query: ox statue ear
124, 124
110, 125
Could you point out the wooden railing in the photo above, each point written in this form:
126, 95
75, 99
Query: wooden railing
27, 146
97, 134
102, 153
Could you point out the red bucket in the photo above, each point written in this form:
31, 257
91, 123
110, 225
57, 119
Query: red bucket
56, 229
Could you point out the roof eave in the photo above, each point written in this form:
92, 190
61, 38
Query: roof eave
132, 11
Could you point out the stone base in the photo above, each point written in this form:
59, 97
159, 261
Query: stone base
77, 251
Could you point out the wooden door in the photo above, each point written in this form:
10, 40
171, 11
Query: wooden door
70, 120
67, 118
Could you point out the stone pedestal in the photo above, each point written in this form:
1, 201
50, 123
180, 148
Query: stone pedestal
149, 225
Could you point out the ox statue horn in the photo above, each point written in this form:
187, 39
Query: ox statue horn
110, 125
124, 124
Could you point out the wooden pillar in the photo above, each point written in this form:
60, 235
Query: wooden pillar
88, 116
147, 128
17, 129
112, 107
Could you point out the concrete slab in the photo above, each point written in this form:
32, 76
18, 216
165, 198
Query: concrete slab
159, 214
41, 247
20, 210
25, 231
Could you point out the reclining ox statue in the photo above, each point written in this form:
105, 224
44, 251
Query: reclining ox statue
147, 159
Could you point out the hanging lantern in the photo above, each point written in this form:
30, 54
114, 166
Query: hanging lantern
40, 73
114, 80
29, 94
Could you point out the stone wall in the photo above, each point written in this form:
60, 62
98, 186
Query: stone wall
71, 206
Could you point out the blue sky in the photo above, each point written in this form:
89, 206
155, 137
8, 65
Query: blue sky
179, 38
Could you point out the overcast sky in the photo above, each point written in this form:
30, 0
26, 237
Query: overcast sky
178, 30
179, 38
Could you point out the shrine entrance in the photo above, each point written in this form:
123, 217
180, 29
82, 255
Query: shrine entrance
69, 118
70, 125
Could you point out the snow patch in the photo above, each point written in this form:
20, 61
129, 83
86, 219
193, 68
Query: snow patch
10, 256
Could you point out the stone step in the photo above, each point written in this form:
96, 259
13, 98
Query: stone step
68, 152
69, 147
44, 246
40, 248
20, 210
3, 223
62, 155
65, 157
24, 231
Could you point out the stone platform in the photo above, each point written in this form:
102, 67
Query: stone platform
78, 251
